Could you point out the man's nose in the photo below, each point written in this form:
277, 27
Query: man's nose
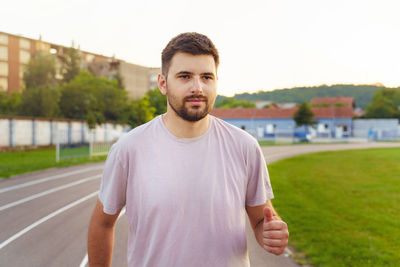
197, 87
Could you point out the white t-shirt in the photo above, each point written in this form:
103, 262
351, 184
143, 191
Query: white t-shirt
185, 197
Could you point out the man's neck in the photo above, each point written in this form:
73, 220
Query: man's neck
185, 129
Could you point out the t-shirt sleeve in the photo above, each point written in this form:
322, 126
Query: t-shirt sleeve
112, 192
259, 188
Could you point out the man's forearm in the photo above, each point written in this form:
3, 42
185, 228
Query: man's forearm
100, 245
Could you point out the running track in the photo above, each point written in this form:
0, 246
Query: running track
45, 215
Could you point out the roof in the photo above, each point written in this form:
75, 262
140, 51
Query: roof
278, 113
346, 100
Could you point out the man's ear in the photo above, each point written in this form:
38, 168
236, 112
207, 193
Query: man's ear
162, 83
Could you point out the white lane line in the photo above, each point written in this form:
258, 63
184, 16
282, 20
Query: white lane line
15, 203
51, 215
6, 189
85, 260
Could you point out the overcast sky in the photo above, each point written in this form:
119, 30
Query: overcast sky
263, 45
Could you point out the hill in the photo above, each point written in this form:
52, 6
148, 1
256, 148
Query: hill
362, 93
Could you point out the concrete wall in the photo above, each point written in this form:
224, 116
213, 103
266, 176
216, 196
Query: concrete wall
32, 132
378, 129
137, 79
44, 133
5, 132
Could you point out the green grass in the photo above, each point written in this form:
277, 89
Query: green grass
12, 163
274, 143
342, 208
68, 152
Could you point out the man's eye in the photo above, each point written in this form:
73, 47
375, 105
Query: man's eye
184, 76
207, 77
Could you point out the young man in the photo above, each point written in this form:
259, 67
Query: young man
186, 178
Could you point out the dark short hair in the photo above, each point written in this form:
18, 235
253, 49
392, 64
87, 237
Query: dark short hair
189, 42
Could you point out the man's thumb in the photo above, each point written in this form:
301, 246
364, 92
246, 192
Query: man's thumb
267, 214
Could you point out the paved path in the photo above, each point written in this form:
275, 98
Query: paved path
44, 215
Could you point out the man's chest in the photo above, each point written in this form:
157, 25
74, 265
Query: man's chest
185, 178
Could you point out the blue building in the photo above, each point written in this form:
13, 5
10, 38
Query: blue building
334, 119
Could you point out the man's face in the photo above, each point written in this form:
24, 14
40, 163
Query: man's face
190, 86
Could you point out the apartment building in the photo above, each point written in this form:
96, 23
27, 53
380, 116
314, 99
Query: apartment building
16, 52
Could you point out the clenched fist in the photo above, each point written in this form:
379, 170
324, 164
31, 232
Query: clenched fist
275, 233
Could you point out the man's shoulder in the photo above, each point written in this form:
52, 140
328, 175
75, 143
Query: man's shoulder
230, 131
138, 134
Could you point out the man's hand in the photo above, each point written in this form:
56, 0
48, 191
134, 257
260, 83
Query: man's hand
275, 233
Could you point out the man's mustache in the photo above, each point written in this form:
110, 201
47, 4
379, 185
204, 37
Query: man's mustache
195, 97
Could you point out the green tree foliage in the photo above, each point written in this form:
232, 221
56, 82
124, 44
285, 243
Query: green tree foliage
120, 80
230, 102
139, 112
71, 64
9, 104
304, 115
40, 101
93, 99
40, 71
385, 104
362, 93
157, 100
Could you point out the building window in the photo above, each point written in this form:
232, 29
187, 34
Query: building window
25, 44
21, 71
89, 58
3, 84
3, 53
24, 56
3, 39
3, 69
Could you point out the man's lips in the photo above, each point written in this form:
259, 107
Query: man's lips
196, 100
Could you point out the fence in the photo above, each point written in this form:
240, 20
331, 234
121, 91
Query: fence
90, 145
376, 129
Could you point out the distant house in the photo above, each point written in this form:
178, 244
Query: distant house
333, 116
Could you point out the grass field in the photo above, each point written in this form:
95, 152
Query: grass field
12, 163
342, 208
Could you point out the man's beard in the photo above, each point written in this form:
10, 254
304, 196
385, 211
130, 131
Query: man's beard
192, 114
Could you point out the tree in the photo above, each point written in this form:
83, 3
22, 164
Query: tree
385, 104
40, 102
93, 99
9, 104
40, 71
304, 116
157, 100
71, 64
139, 112
230, 102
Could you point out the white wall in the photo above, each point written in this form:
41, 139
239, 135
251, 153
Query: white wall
23, 132
4, 132
23, 136
43, 133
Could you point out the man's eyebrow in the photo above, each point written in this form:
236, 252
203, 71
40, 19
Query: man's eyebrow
208, 74
183, 73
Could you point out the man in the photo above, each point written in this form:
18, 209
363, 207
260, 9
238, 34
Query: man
186, 178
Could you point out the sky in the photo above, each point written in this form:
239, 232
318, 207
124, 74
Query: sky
263, 44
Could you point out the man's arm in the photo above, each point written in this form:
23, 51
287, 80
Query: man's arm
269, 229
101, 237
